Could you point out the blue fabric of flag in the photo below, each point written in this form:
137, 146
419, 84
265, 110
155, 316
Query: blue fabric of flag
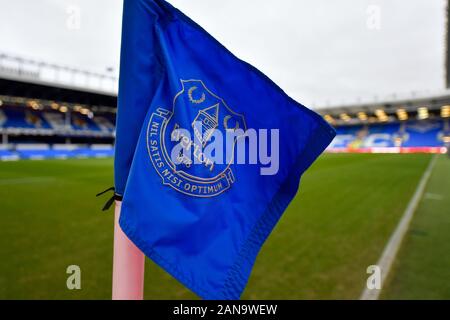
203, 225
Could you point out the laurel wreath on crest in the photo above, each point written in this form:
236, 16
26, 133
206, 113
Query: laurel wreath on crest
191, 98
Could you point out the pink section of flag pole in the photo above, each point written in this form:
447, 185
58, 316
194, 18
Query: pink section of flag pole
128, 265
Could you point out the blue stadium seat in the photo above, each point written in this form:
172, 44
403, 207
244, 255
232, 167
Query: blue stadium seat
411, 134
23, 118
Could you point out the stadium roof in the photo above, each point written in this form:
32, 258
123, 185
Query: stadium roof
24, 70
13, 89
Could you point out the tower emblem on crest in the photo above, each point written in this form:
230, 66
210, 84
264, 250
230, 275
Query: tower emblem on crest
208, 118
196, 114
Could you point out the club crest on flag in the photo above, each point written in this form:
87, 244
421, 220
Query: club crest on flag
181, 141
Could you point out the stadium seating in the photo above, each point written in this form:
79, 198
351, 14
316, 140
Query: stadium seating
410, 136
25, 120
29, 122
416, 135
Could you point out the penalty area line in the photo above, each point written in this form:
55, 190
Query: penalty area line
390, 251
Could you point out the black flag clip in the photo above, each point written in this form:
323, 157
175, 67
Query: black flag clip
110, 201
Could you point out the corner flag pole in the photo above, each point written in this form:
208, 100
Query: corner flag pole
128, 265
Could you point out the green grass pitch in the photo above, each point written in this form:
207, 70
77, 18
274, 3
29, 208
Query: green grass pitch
422, 268
339, 223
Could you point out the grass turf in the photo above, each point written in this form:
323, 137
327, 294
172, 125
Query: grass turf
422, 267
343, 215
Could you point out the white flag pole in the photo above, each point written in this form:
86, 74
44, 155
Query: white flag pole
128, 265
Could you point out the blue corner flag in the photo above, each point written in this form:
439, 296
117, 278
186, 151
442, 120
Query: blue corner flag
209, 151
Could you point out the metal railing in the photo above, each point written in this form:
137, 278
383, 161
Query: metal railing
19, 68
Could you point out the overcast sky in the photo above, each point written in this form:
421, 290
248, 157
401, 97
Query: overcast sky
319, 51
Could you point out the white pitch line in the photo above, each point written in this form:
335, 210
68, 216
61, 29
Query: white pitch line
392, 247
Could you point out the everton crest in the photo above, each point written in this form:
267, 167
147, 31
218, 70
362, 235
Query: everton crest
185, 142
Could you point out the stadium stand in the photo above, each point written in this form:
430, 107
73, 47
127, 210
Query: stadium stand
418, 124
13, 119
21, 121
40, 121
415, 135
46, 122
428, 135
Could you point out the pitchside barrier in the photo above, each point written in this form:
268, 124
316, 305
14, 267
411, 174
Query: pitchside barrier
438, 150
11, 152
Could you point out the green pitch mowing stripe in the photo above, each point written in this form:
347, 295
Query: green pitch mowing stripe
50, 219
393, 246
422, 268
339, 223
